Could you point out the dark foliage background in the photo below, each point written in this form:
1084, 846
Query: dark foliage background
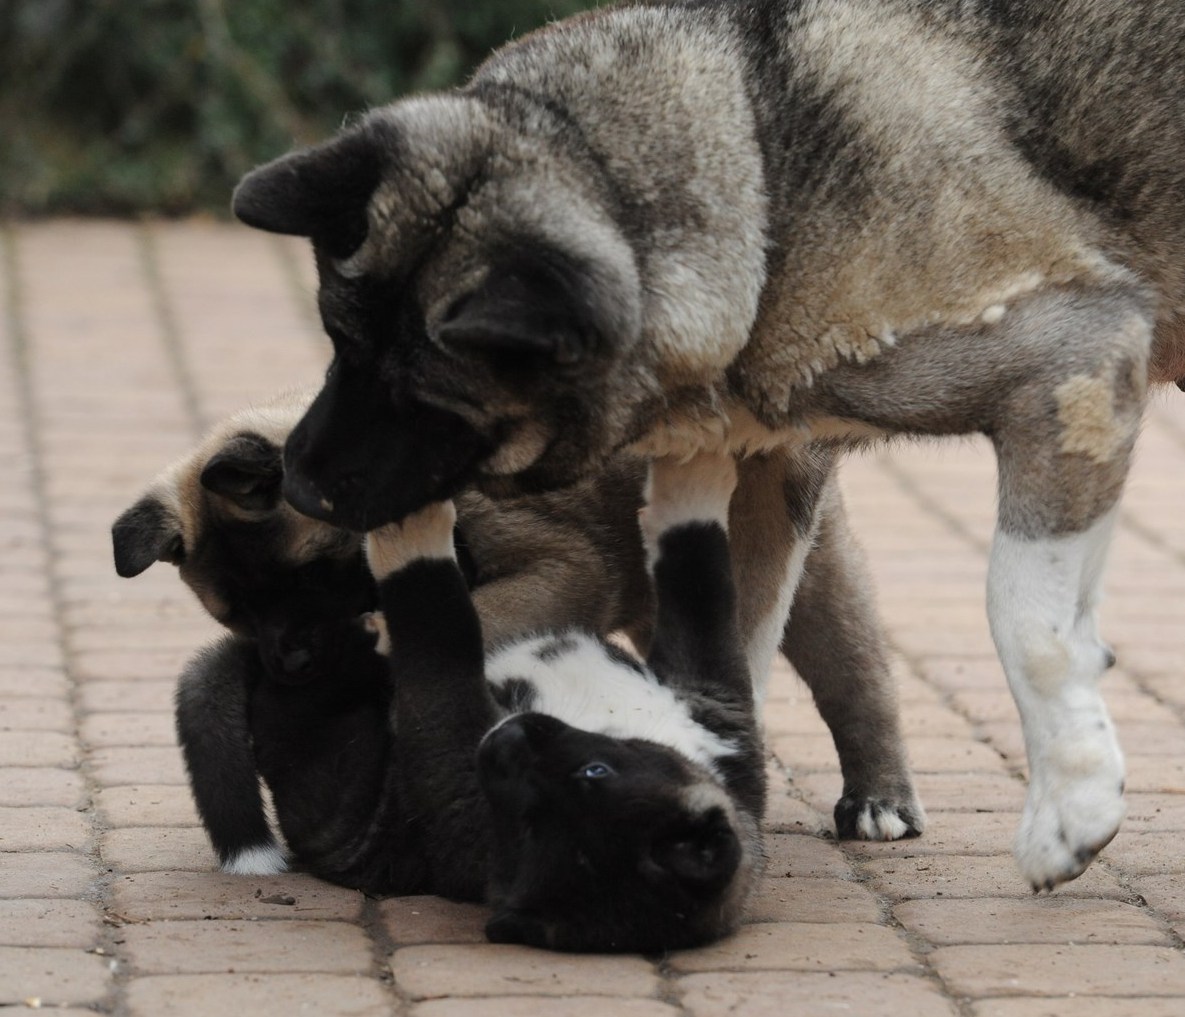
130, 105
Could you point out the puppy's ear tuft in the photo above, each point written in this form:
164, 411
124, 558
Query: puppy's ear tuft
147, 532
319, 192
246, 471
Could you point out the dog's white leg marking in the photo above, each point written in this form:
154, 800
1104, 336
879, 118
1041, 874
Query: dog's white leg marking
767, 634
678, 492
1042, 596
261, 860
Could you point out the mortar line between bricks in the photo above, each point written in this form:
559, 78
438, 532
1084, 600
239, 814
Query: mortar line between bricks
30, 418
919, 947
166, 317
911, 487
381, 948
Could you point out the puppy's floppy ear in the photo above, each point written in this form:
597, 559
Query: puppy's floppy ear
319, 192
147, 532
524, 307
706, 852
247, 471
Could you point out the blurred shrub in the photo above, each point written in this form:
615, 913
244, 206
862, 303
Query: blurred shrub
124, 105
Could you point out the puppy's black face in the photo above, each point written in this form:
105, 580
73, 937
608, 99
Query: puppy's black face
603, 844
304, 615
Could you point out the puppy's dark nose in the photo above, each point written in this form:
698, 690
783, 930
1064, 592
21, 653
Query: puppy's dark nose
304, 496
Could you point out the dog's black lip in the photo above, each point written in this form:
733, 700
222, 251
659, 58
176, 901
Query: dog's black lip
304, 496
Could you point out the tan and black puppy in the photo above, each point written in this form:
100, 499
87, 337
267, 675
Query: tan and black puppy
771, 227
292, 590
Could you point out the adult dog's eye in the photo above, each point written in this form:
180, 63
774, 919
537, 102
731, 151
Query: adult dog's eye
596, 771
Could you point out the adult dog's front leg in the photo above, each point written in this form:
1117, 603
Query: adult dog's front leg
1064, 447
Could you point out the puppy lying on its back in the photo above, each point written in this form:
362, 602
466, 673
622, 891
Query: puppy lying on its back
294, 587
596, 802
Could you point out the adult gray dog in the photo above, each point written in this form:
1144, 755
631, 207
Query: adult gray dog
777, 227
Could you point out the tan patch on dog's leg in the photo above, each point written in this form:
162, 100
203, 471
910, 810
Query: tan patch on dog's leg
1087, 417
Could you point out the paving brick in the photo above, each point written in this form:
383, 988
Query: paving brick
45, 874
543, 1006
1040, 970
34, 922
1047, 919
958, 792
43, 828
266, 995
38, 748
41, 785
786, 813
811, 994
1148, 853
796, 855
1164, 893
52, 976
101, 730
35, 713
947, 833
33, 681
1081, 1006
802, 899
414, 920
127, 696
974, 876
1150, 813
147, 805
152, 896
137, 765
157, 848
1156, 774
501, 970
784, 946
246, 945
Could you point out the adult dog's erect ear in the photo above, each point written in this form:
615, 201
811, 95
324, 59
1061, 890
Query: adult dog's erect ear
246, 471
147, 532
319, 192
525, 309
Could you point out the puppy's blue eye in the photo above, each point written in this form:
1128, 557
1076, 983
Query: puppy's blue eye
595, 771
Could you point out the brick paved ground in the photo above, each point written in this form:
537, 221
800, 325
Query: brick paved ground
120, 342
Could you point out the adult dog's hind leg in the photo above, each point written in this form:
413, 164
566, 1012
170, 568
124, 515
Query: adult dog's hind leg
835, 642
1064, 445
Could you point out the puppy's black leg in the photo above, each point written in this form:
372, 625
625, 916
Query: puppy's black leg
214, 732
442, 707
835, 642
697, 643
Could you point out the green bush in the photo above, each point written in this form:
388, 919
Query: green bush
126, 105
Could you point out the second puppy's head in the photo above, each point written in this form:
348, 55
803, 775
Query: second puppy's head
295, 584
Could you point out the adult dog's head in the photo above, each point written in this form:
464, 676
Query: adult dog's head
297, 586
483, 302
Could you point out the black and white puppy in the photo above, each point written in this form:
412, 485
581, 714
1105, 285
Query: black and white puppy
596, 802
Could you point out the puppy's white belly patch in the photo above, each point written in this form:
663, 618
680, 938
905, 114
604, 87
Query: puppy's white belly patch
586, 688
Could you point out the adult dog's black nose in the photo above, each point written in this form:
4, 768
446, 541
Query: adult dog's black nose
304, 496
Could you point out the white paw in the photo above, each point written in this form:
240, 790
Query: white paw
262, 860
375, 623
878, 818
427, 533
1072, 811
